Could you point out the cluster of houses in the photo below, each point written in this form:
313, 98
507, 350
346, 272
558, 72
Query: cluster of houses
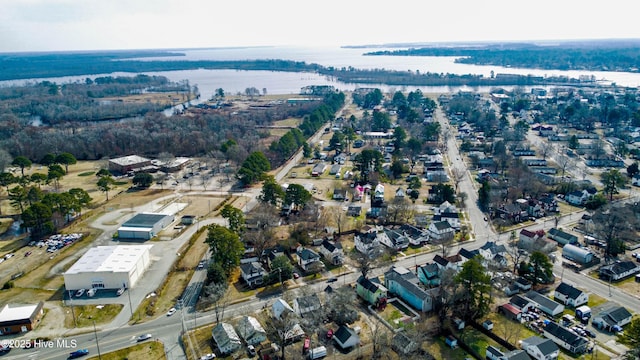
527, 208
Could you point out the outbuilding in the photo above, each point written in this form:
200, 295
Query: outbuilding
144, 226
577, 254
108, 267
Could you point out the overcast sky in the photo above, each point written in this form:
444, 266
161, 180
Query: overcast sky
44, 25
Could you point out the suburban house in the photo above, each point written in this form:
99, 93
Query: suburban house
354, 211
279, 307
493, 353
523, 284
252, 273
540, 349
332, 251
371, 290
522, 303
618, 271
429, 275
308, 259
453, 262
226, 338
494, 254
318, 169
565, 338
339, 194
440, 231
416, 236
528, 237
405, 284
578, 197
545, 304
612, 319
305, 304
570, 295
346, 338
562, 237
251, 330
394, 240
17, 319
511, 289
367, 242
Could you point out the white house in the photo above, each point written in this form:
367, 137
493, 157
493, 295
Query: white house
540, 349
307, 258
577, 197
280, 306
545, 304
612, 319
570, 295
440, 231
367, 242
252, 273
251, 330
306, 304
332, 251
226, 338
565, 338
394, 239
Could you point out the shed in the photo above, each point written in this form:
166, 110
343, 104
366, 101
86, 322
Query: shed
20, 318
144, 226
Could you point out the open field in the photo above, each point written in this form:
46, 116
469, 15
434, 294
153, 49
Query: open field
149, 350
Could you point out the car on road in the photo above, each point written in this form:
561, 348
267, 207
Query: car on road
27, 253
144, 337
332, 280
80, 292
201, 264
208, 356
78, 353
171, 311
120, 291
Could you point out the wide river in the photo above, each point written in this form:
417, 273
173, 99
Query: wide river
281, 83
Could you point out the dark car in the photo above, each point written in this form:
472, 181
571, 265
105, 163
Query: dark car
332, 280
78, 353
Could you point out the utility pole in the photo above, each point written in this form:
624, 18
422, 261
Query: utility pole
129, 295
73, 313
95, 333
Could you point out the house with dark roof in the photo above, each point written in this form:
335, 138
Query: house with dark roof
612, 319
303, 305
494, 254
416, 235
523, 283
252, 273
545, 304
339, 194
332, 251
395, 240
467, 254
561, 237
307, 259
565, 338
522, 303
540, 349
493, 353
370, 290
346, 338
570, 295
619, 270
429, 275
440, 231
405, 284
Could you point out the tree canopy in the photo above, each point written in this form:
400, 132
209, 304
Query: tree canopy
226, 247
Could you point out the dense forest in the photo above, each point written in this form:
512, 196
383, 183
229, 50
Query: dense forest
22, 66
593, 56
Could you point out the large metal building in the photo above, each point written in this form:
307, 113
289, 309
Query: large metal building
108, 267
144, 226
577, 254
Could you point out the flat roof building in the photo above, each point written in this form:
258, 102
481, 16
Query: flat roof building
144, 226
125, 164
109, 267
20, 318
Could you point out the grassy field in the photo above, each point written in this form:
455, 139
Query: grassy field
150, 350
85, 315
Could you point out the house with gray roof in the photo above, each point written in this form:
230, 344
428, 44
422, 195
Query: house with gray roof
370, 290
561, 237
618, 271
405, 284
252, 273
306, 304
429, 275
612, 319
545, 304
565, 338
307, 258
346, 338
540, 349
226, 338
251, 330
440, 231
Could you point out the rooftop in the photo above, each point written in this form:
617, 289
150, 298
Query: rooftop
119, 258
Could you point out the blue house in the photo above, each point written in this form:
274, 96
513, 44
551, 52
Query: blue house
429, 275
406, 285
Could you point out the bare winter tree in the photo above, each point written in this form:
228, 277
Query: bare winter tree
217, 296
280, 329
399, 210
457, 175
614, 224
564, 162
545, 148
380, 337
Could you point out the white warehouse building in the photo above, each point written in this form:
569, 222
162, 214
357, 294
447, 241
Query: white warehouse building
109, 267
144, 226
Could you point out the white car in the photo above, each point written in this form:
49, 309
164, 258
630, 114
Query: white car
144, 337
120, 291
80, 292
171, 311
208, 357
